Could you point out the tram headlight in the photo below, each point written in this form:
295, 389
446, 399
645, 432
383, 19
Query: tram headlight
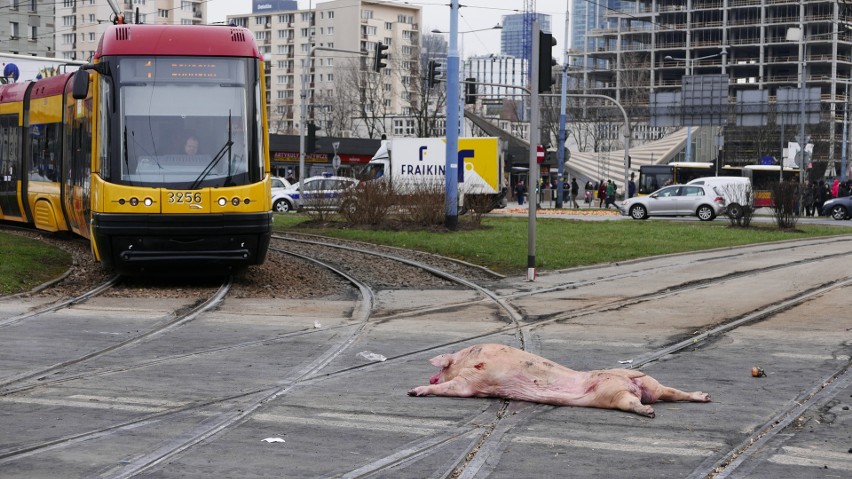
148, 202
235, 201
134, 201
223, 201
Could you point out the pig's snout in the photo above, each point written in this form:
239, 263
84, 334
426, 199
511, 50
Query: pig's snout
435, 378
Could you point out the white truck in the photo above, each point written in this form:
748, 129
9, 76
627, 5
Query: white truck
19, 68
411, 164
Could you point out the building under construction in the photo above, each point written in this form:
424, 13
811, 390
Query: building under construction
648, 46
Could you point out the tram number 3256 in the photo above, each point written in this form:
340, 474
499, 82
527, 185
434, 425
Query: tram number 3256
184, 197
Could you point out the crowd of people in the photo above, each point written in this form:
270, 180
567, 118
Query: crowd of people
604, 191
816, 194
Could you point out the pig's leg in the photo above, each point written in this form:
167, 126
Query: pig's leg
672, 394
658, 392
456, 388
627, 401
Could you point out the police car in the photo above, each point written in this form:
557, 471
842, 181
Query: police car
320, 192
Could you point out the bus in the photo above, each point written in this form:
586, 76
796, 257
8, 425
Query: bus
762, 178
654, 177
157, 151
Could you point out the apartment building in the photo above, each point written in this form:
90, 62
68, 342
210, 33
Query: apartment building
344, 96
26, 27
647, 46
80, 23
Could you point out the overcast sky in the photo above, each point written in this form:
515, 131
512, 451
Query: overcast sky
474, 15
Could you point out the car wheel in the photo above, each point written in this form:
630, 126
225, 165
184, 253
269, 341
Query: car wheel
838, 212
735, 210
638, 212
705, 213
281, 206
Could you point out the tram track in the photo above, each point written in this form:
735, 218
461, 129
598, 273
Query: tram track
490, 450
177, 321
480, 445
222, 422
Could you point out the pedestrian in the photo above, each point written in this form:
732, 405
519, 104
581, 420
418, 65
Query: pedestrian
520, 192
631, 186
822, 195
566, 190
601, 193
575, 190
835, 187
610, 193
808, 198
590, 192
843, 190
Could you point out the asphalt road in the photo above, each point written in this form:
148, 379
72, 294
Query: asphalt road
279, 388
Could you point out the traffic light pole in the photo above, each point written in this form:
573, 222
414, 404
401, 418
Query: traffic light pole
303, 107
535, 133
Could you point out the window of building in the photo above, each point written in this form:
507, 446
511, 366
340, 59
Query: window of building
261, 20
331, 77
15, 32
91, 36
331, 14
33, 33
366, 14
388, 26
33, 6
330, 31
307, 16
68, 20
163, 13
13, 4
67, 38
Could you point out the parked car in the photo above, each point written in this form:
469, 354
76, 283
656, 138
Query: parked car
838, 208
736, 190
702, 201
321, 192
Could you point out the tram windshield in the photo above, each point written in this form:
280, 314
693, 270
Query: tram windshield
185, 122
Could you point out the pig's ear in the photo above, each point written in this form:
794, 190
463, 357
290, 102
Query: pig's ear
441, 361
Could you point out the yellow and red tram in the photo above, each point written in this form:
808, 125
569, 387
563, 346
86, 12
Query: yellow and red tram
157, 151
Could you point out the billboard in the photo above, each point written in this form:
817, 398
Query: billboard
270, 6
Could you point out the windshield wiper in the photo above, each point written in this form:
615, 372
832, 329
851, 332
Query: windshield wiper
126, 161
225, 148
211, 165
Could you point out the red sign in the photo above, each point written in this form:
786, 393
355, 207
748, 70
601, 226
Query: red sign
539, 155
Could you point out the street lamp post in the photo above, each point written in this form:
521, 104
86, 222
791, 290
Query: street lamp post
690, 64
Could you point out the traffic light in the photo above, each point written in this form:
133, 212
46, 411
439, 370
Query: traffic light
470, 91
434, 72
311, 139
546, 62
381, 56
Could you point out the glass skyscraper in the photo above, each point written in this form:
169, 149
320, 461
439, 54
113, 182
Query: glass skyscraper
512, 36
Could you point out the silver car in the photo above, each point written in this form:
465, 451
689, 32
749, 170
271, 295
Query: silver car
702, 201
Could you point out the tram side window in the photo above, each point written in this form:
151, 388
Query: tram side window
9, 147
45, 141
